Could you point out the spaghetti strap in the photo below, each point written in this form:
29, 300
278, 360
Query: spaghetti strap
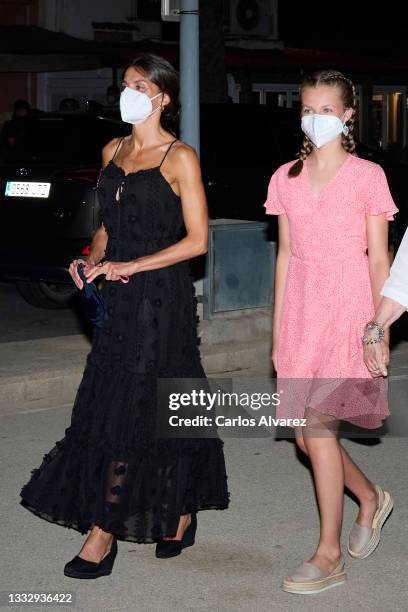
117, 148
168, 149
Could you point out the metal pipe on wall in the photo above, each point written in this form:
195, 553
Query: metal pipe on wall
190, 73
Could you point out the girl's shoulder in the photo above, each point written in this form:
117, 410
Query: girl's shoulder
366, 166
358, 162
283, 169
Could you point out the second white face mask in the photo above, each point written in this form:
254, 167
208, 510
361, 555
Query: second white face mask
321, 129
136, 106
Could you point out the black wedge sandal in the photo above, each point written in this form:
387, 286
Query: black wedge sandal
81, 568
171, 548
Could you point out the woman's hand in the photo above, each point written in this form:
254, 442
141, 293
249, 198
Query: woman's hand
74, 273
113, 270
377, 357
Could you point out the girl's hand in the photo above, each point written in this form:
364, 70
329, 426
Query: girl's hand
73, 271
113, 270
377, 358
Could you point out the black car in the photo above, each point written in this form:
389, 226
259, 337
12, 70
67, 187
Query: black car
49, 208
48, 205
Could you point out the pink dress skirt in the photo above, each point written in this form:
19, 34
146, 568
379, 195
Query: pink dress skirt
327, 296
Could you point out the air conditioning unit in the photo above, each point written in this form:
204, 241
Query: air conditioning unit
170, 10
254, 18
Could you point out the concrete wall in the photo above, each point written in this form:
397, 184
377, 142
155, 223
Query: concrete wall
75, 17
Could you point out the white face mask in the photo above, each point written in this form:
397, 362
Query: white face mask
322, 129
136, 106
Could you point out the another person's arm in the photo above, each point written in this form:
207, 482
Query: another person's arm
388, 312
395, 289
393, 303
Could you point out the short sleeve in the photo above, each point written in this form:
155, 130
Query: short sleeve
379, 198
273, 204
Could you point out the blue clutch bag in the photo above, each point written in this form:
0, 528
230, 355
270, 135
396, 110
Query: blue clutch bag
92, 300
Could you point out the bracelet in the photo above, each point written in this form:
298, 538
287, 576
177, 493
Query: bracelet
371, 340
373, 325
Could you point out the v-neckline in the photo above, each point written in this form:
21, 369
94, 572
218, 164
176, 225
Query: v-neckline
329, 182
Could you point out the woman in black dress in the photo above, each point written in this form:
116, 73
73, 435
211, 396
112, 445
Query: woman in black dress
111, 473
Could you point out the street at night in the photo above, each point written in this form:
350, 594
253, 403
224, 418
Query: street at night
203, 306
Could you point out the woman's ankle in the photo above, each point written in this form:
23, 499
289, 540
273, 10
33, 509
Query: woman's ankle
105, 535
184, 522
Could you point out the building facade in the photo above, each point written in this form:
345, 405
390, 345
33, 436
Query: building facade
261, 69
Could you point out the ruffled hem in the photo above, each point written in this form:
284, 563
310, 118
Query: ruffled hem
389, 212
83, 528
138, 499
112, 469
362, 402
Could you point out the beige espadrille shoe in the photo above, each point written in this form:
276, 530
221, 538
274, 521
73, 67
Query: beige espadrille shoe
308, 579
363, 541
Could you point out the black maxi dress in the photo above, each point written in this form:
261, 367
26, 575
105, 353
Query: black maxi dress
110, 468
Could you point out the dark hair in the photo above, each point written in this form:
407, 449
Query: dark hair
333, 78
165, 76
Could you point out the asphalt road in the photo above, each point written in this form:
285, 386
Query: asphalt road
241, 554
21, 321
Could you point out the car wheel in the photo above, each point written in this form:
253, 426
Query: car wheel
46, 295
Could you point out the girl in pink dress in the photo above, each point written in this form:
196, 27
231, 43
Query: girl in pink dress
332, 207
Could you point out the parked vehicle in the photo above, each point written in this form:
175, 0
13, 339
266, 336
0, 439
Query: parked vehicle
49, 209
48, 205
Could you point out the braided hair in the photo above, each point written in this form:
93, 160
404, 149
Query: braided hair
348, 95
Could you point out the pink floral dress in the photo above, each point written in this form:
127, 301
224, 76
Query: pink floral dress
327, 295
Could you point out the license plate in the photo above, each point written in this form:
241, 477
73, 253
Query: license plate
27, 189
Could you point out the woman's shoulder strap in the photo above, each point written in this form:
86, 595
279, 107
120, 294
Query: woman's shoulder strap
168, 149
117, 148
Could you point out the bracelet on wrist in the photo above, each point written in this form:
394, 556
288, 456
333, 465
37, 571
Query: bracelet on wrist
373, 326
